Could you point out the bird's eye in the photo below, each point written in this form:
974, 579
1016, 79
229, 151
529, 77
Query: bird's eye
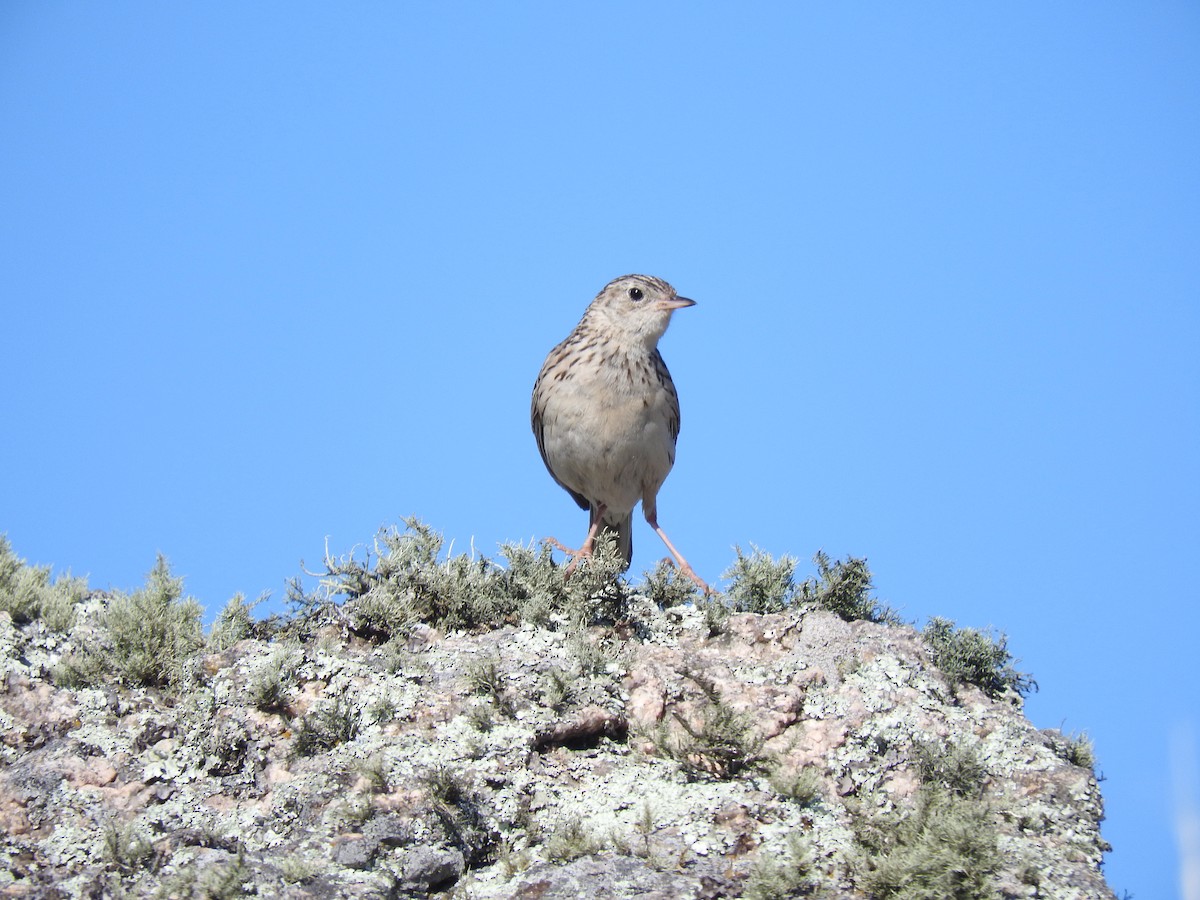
635, 293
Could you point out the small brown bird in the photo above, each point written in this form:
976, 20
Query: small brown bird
606, 415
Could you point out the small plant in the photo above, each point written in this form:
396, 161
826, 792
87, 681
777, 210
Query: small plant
481, 718
759, 583
946, 848
458, 809
533, 581
222, 882
592, 657
77, 670
954, 767
271, 683
570, 840
724, 742
446, 786
559, 689
382, 710
803, 786
596, 594
665, 587
407, 583
1077, 749
126, 849
644, 826
26, 592
975, 657
147, 637
485, 678
844, 588
325, 728
374, 771
297, 869
235, 623
353, 811
775, 878
716, 614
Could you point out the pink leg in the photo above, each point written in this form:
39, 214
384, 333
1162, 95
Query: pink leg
683, 564
588, 543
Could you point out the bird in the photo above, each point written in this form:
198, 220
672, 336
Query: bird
605, 413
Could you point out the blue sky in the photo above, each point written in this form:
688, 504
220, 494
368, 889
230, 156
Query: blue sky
279, 272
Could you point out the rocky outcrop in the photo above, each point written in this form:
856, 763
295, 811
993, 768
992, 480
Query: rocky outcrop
668, 754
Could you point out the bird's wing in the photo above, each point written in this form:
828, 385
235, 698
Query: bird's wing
664, 380
537, 419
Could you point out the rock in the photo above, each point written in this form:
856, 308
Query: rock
532, 761
619, 878
430, 868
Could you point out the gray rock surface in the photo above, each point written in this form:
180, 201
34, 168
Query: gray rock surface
792, 754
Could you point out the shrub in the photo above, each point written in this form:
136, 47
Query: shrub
954, 767
1077, 749
975, 657
26, 592
272, 680
779, 877
666, 587
759, 583
146, 638
152, 632
946, 848
233, 624
803, 786
325, 728
844, 588
724, 742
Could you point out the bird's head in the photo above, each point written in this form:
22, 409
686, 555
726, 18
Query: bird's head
637, 308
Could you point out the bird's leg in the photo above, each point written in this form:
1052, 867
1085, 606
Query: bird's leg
597, 515
683, 564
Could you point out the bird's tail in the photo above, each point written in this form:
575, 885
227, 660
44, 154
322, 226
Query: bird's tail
622, 532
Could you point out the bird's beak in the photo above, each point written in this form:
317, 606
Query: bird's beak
677, 303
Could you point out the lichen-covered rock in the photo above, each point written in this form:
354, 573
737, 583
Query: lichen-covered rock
792, 754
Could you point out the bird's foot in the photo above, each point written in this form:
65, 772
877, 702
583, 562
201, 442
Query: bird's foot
690, 573
680, 563
576, 555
